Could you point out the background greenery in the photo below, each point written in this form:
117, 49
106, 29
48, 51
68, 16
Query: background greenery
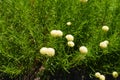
25, 27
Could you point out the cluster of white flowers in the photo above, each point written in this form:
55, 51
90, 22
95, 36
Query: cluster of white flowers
68, 23
83, 50
47, 51
104, 44
83, 1
98, 75
105, 28
115, 74
56, 33
102, 77
69, 37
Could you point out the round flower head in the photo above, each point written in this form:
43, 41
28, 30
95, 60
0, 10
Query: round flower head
69, 23
59, 33
102, 77
53, 33
106, 41
56, 33
83, 50
103, 45
71, 44
69, 37
115, 74
97, 75
83, 1
105, 28
43, 50
50, 52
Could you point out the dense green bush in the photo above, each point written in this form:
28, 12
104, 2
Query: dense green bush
25, 27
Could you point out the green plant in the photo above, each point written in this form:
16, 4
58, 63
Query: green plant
25, 28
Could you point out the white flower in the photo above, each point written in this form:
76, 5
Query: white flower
50, 51
103, 44
47, 51
102, 77
59, 33
115, 74
53, 33
105, 28
69, 23
83, 50
56, 33
71, 44
83, 0
69, 37
97, 75
43, 50
106, 41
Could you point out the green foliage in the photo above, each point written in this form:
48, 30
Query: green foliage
25, 27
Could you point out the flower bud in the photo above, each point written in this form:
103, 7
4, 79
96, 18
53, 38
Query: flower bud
83, 1
53, 33
103, 45
59, 33
105, 28
115, 74
69, 37
69, 23
43, 50
56, 33
50, 52
71, 44
83, 50
102, 77
97, 75
106, 41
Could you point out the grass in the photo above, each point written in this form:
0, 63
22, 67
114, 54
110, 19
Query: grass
25, 28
